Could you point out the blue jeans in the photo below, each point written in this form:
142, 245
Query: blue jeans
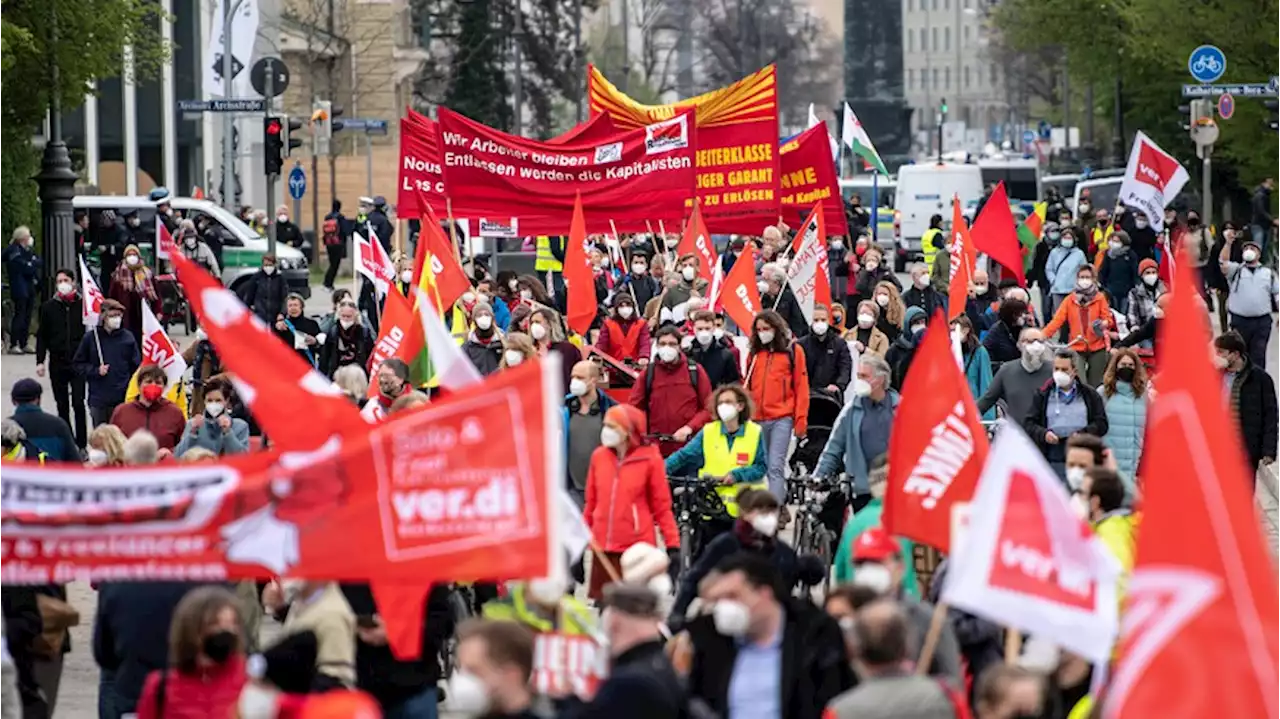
776, 434
422, 705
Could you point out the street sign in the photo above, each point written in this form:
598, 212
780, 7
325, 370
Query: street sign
1028, 137
366, 125
1045, 130
1239, 89
233, 105
279, 73
1206, 63
1226, 105
297, 183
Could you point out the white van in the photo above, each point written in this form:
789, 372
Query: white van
885, 189
242, 248
925, 190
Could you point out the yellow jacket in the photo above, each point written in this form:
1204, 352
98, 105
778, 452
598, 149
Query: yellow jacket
574, 618
176, 394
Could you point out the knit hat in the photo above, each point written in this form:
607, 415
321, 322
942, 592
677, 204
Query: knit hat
641, 562
1147, 264
481, 308
629, 419
25, 390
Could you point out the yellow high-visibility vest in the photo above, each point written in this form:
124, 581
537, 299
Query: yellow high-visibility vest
719, 459
544, 261
927, 248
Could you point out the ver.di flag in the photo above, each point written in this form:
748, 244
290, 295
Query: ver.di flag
1027, 561
158, 349
372, 262
854, 136
90, 297
1152, 179
740, 297
937, 447
1199, 627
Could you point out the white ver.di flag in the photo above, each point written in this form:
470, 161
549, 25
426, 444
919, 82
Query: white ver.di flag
244, 33
1151, 180
372, 262
802, 272
158, 349
90, 296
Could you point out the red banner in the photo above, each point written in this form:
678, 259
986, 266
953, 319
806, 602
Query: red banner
420, 174
595, 129
637, 175
462, 490
737, 158
809, 176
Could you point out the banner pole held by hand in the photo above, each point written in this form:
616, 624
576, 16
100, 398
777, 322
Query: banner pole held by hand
1012, 645
931, 638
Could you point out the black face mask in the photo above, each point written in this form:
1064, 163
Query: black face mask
219, 645
1125, 374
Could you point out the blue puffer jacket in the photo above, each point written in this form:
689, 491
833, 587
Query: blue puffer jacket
843, 452
1061, 268
1127, 419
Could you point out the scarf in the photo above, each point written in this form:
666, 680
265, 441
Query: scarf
349, 343
135, 280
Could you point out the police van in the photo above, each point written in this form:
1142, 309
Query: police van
242, 248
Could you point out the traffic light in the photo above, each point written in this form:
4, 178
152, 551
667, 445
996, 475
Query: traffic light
1273, 108
273, 144
1197, 112
323, 124
943, 107
292, 124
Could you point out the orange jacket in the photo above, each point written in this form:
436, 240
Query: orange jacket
778, 383
624, 340
626, 498
1080, 323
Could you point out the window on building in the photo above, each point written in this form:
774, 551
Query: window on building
933, 38
966, 77
935, 78
911, 41
946, 38
994, 75
966, 36
924, 40
946, 4
946, 78
911, 79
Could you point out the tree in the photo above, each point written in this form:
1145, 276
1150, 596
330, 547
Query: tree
478, 85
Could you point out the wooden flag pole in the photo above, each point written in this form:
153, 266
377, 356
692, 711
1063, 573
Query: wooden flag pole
1012, 645
617, 238
936, 623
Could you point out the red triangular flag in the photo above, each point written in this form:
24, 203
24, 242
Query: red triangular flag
937, 447
963, 259
578, 277
1199, 627
995, 233
696, 241
447, 274
740, 297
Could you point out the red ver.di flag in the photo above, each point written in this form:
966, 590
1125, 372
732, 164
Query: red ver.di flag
632, 177
740, 296
938, 445
158, 349
1028, 562
1151, 180
1199, 630
90, 296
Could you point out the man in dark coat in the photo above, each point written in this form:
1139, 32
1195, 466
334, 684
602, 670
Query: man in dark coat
826, 355
380, 223
1252, 399
49, 433
59, 334
23, 269
266, 290
107, 358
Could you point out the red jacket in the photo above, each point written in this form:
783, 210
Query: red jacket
675, 402
212, 693
627, 497
624, 339
162, 418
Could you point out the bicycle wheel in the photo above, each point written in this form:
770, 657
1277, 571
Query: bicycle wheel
686, 548
823, 538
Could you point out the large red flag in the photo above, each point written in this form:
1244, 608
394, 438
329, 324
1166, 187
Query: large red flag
696, 241
399, 335
937, 447
963, 259
450, 281
995, 233
740, 297
578, 277
1199, 627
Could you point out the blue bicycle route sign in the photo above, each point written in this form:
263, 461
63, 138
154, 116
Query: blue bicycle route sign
1206, 63
297, 183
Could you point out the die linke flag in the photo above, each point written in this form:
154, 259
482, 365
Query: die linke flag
963, 258
995, 233
740, 297
1199, 624
938, 445
696, 241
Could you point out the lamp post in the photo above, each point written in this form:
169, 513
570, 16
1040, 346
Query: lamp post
230, 8
56, 180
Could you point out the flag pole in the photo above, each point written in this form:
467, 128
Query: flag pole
844, 117
613, 226
97, 341
931, 638
1012, 645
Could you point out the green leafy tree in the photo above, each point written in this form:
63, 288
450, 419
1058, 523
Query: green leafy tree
478, 87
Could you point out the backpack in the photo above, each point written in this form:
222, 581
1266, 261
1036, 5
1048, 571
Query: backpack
330, 231
648, 381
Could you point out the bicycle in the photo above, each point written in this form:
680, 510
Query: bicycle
696, 506
811, 494
461, 600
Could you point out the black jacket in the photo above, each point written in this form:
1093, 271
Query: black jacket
378, 672
48, 432
121, 355
1002, 343
22, 624
265, 295
304, 325
486, 357
718, 361
289, 234
645, 289
642, 684
899, 357
131, 632
815, 666
828, 360
23, 268
790, 310
1038, 261
781, 555
60, 332
382, 228
928, 299
1036, 422
1253, 400
1260, 207
1119, 274
331, 357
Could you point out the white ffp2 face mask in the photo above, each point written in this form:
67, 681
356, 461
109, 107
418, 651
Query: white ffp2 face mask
766, 524
731, 618
484, 322
513, 357
667, 353
467, 694
610, 437
726, 411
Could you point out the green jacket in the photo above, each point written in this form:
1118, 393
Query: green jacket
861, 521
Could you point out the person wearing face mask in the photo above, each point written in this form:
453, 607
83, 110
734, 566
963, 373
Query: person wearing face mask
623, 334
105, 447
922, 293
865, 336
892, 311
903, 349
1084, 452
1141, 302
779, 297
826, 355
1060, 269
862, 432
486, 292
517, 348
627, 495
59, 334
132, 284
23, 269
875, 270
1253, 296
982, 296
106, 359
151, 411
547, 330
1124, 388
1086, 315
642, 682
349, 342
298, 331
1118, 272
973, 358
194, 248
672, 392
483, 345
738, 666
837, 251
639, 283
286, 231
934, 243
1062, 408
494, 666
1017, 382
1148, 335
393, 382
1251, 394
837, 318
719, 361
678, 294
215, 429
266, 291
206, 660
778, 382
583, 419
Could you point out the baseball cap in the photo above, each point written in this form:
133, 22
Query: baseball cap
875, 545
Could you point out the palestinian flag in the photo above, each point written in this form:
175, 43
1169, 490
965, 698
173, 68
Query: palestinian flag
1030, 232
855, 137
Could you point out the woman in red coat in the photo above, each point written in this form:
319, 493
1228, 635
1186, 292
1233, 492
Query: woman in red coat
627, 492
206, 660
